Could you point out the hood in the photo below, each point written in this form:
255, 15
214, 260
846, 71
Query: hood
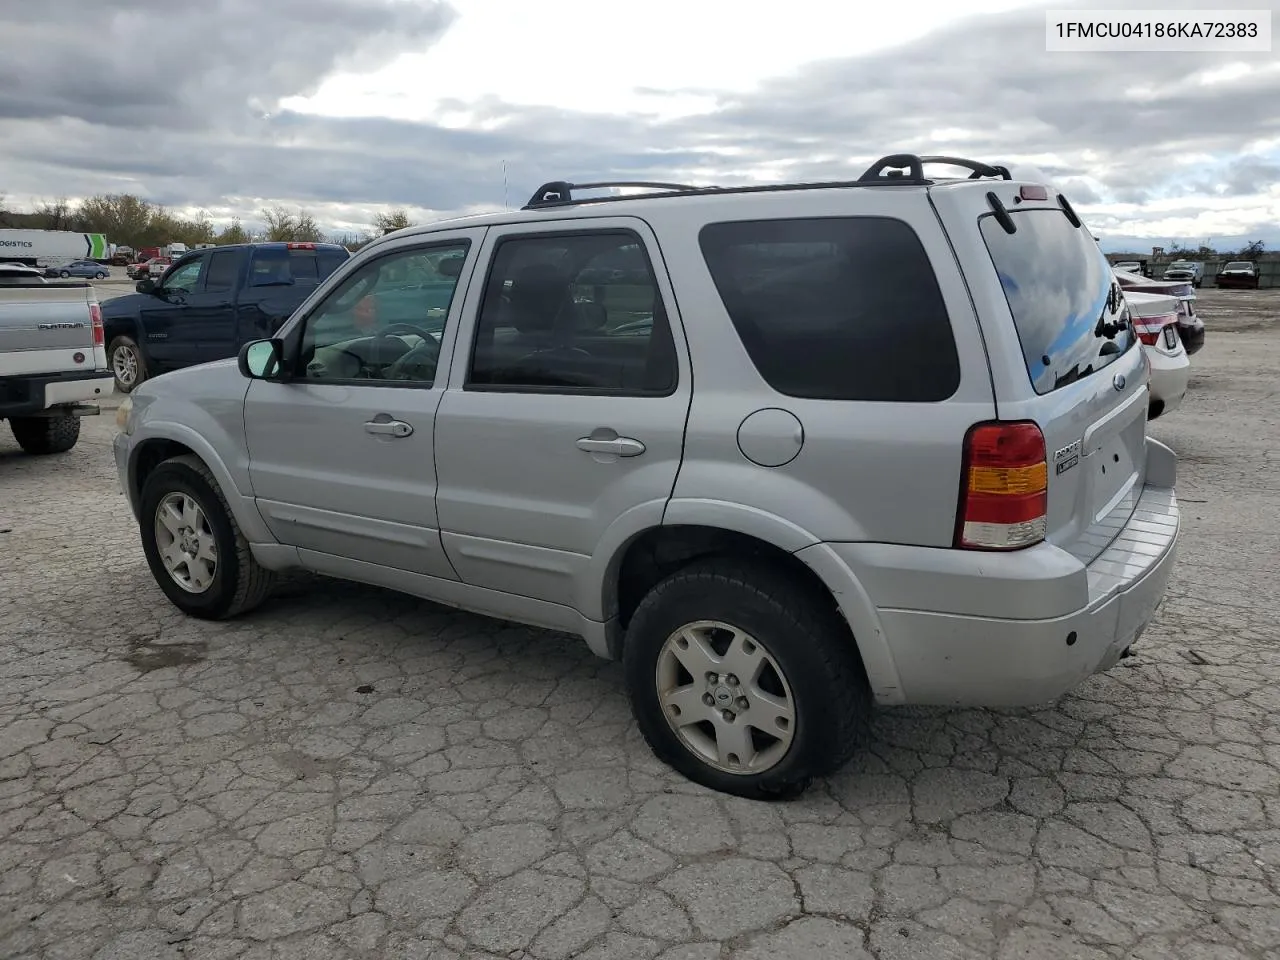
210, 382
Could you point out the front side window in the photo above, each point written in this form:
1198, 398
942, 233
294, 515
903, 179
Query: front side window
384, 323
836, 308
566, 313
186, 276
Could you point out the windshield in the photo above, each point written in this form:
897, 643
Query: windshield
1239, 265
1060, 290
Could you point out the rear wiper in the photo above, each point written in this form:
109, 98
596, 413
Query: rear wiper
1072, 375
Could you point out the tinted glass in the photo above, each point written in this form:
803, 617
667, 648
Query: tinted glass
1059, 288
384, 322
570, 313
224, 270
836, 308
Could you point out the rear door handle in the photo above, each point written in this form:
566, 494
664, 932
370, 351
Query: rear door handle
618, 446
388, 428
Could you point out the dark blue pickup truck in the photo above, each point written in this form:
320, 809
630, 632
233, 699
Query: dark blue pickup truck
209, 303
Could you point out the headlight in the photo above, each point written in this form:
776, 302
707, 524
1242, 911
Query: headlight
122, 414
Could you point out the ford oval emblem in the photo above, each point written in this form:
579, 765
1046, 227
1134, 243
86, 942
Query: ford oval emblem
1119, 381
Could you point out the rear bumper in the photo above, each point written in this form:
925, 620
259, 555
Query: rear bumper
1170, 374
24, 396
1022, 628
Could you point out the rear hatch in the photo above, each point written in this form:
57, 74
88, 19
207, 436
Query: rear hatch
50, 328
1063, 352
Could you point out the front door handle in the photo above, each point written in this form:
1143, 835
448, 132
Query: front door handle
618, 446
388, 428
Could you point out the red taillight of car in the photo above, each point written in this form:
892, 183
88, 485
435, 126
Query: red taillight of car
1150, 328
1004, 487
95, 318
300, 246
1033, 192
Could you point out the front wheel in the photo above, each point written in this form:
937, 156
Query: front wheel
745, 679
194, 546
99, 275
45, 435
127, 363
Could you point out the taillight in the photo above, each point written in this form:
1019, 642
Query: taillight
95, 318
300, 246
1004, 491
1149, 328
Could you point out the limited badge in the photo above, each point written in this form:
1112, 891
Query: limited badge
1067, 457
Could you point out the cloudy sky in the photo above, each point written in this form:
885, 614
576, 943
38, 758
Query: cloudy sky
349, 106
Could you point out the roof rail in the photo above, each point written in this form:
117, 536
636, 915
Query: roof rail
891, 169
561, 191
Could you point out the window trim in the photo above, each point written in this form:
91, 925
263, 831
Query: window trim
293, 350
924, 250
550, 390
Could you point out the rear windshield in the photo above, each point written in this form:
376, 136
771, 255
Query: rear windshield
279, 266
839, 308
1059, 287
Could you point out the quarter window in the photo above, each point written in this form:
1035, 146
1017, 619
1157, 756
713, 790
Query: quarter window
573, 313
385, 322
836, 308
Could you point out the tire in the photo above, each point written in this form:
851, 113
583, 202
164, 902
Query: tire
120, 369
99, 275
238, 583
806, 645
44, 435
65, 274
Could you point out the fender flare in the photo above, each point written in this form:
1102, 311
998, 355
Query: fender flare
242, 507
850, 596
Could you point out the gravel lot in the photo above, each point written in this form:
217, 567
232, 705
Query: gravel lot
352, 773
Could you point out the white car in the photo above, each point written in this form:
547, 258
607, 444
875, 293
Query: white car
1155, 317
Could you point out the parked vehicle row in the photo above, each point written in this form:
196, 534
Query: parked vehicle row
785, 451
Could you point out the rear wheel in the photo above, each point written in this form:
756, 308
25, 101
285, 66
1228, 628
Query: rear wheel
65, 274
127, 363
745, 679
43, 435
194, 546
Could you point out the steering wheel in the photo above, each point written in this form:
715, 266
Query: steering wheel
426, 352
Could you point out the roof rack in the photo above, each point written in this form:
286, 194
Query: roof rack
890, 169
561, 191
900, 169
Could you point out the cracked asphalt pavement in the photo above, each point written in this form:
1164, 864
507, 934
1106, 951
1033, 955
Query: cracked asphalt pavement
350, 773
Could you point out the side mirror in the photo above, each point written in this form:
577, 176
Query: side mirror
261, 359
146, 286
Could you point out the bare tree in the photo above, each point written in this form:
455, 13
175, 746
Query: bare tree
55, 215
391, 221
296, 225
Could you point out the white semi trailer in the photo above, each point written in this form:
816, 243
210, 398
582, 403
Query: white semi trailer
51, 248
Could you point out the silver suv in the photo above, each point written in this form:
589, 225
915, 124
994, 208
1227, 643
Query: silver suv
787, 451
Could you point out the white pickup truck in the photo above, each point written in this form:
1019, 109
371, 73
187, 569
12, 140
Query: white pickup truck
53, 362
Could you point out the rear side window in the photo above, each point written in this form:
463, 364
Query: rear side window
280, 266
1060, 291
836, 308
223, 272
